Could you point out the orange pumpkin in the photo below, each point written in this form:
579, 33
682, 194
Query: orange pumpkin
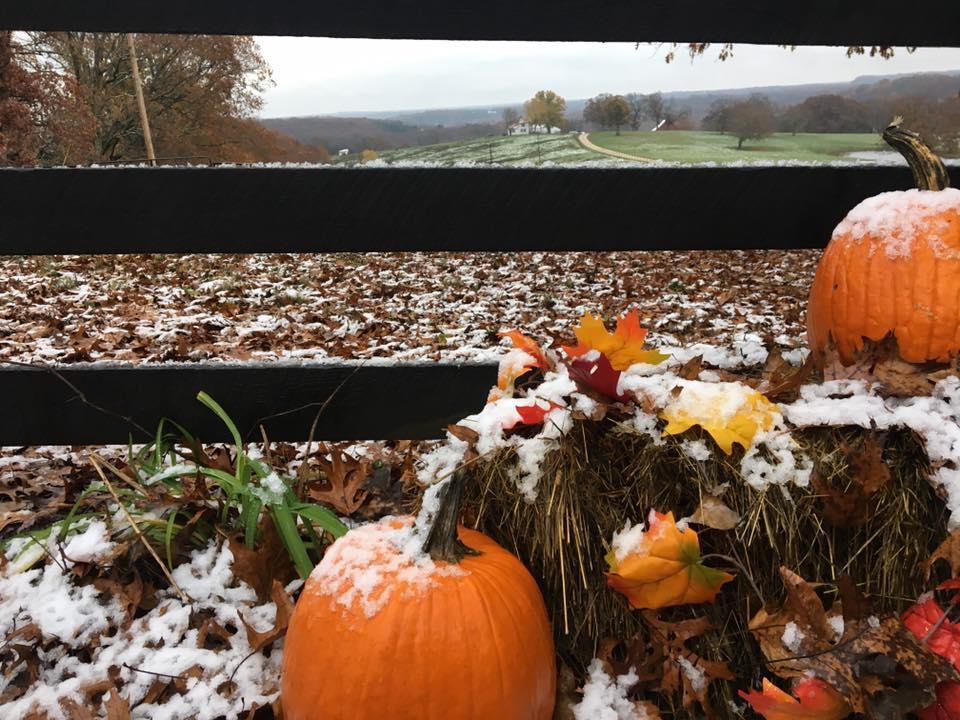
892, 268
376, 635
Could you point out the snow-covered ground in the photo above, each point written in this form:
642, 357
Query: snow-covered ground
415, 306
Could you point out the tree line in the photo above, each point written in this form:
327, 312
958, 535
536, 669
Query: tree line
756, 117
68, 99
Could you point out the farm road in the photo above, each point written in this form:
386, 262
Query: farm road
584, 139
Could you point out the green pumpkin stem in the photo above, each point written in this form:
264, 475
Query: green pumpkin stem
443, 542
929, 172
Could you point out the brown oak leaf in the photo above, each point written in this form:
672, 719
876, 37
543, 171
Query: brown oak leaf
875, 663
345, 475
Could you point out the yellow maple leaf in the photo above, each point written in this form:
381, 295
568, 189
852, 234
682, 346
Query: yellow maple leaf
623, 347
731, 412
664, 568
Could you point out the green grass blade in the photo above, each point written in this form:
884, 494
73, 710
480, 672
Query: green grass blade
286, 524
322, 516
168, 537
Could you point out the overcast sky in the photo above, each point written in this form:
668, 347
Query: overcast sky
322, 75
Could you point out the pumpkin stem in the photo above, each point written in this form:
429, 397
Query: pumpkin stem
929, 172
443, 542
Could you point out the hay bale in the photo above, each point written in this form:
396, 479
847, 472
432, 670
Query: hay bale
602, 475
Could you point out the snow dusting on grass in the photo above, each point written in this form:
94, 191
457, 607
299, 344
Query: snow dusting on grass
86, 643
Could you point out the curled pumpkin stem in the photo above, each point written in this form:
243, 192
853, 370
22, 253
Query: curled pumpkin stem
929, 172
443, 542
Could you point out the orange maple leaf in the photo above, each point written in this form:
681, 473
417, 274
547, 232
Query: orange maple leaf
623, 347
662, 567
815, 700
525, 356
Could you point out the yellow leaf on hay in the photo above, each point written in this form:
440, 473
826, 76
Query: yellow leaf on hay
730, 412
623, 347
664, 568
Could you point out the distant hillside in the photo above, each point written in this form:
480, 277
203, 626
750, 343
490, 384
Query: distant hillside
931, 86
388, 130
359, 133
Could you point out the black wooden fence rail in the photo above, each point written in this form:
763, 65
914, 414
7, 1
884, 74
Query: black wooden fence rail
236, 210
813, 22
400, 209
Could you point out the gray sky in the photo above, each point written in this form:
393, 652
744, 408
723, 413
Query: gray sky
323, 75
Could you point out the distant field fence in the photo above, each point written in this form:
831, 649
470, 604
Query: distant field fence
245, 210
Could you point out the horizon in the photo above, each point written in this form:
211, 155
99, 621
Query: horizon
337, 76
682, 91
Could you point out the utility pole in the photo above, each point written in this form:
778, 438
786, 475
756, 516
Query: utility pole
141, 103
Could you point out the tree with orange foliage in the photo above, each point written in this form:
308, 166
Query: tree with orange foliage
20, 94
201, 94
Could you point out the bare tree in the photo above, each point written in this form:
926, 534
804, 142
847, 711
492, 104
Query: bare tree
638, 108
510, 118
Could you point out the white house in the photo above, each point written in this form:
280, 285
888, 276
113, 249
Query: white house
525, 128
343, 153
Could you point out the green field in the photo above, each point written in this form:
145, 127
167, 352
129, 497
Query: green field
696, 147
502, 150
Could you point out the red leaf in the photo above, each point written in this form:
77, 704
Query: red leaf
947, 706
945, 641
532, 413
597, 375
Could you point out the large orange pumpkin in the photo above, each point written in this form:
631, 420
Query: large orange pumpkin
893, 268
378, 636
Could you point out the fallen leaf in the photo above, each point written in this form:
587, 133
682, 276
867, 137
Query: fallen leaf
116, 705
947, 706
875, 663
714, 513
691, 369
524, 357
921, 619
948, 550
259, 640
533, 413
814, 700
623, 347
730, 412
597, 375
269, 561
682, 671
664, 568
781, 380
345, 475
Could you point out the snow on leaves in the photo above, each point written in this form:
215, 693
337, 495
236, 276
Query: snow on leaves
661, 566
731, 412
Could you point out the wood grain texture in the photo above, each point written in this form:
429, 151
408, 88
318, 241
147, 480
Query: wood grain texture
814, 22
237, 210
409, 402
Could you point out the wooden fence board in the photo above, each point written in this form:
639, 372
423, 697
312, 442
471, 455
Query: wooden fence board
814, 22
412, 401
243, 210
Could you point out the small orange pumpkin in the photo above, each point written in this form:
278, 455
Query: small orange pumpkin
376, 635
893, 268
